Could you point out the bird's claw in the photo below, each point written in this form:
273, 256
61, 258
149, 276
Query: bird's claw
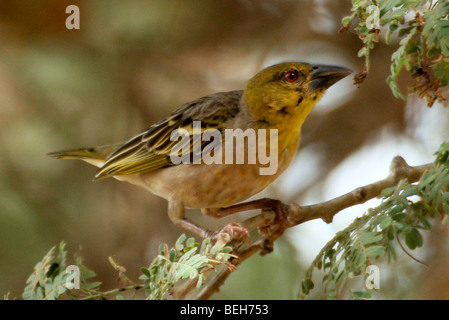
232, 231
277, 228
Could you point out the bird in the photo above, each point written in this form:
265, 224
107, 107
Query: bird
275, 102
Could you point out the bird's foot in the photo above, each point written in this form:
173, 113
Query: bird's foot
232, 231
275, 229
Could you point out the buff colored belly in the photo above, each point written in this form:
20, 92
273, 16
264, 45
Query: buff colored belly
208, 186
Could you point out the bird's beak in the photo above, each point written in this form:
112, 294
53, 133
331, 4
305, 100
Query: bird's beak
324, 76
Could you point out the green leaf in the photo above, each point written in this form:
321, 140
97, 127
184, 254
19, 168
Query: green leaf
190, 242
216, 249
179, 245
200, 281
409, 191
369, 237
93, 285
227, 249
146, 272
385, 223
413, 239
387, 192
362, 52
346, 21
361, 295
307, 285
410, 241
397, 215
375, 251
426, 225
162, 249
172, 255
393, 26
86, 273
360, 259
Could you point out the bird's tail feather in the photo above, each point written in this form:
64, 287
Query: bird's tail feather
97, 154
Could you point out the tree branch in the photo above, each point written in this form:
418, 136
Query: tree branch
295, 214
399, 169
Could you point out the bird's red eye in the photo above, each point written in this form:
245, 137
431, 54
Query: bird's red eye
291, 76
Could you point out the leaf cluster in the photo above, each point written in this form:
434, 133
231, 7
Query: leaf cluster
399, 217
47, 282
422, 29
186, 260
50, 278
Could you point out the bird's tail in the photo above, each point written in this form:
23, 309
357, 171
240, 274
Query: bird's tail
95, 156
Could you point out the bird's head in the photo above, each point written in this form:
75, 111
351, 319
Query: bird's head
285, 93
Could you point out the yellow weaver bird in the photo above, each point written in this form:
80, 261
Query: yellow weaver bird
279, 97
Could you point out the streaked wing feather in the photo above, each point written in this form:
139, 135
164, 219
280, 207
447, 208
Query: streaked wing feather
150, 150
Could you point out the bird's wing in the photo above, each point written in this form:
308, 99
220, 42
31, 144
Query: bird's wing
151, 149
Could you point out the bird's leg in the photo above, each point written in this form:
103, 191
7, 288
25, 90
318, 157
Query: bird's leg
176, 212
273, 231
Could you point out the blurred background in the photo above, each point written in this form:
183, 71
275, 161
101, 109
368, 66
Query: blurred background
132, 63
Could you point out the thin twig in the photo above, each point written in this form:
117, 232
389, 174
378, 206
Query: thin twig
113, 291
